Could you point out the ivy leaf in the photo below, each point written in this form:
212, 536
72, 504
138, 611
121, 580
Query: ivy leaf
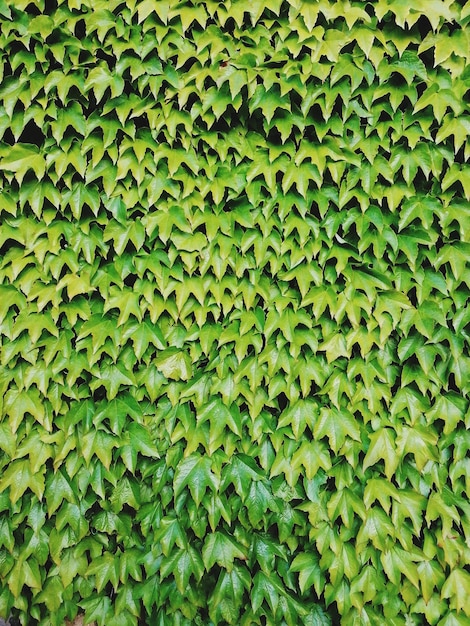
97, 609
17, 404
267, 588
128, 303
408, 65
153, 381
456, 256
196, 473
174, 364
438, 508
431, 577
100, 78
269, 101
169, 533
440, 100
22, 157
142, 335
454, 126
58, 488
337, 426
409, 346
117, 411
455, 589
100, 328
228, 593
105, 569
397, 562
5, 10
449, 407
381, 490
241, 472
7, 439
312, 455
310, 572
182, 564
222, 549
422, 209
112, 377
19, 477
335, 347
419, 441
382, 448
141, 441
345, 504
220, 416
423, 318
260, 500
297, 416
99, 443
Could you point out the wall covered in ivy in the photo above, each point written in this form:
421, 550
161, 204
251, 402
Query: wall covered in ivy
234, 314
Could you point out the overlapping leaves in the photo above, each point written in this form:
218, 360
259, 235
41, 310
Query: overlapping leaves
234, 283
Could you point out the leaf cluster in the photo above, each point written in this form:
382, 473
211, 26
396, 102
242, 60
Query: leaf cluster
234, 316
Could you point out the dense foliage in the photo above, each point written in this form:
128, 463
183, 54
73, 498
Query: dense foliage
234, 293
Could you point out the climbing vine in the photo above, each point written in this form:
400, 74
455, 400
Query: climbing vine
234, 313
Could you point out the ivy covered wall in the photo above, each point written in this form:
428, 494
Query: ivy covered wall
234, 312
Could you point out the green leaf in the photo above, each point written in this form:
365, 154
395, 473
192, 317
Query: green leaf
112, 377
312, 455
438, 508
195, 472
382, 448
227, 598
418, 441
182, 564
455, 589
19, 477
22, 157
5, 10
450, 408
454, 126
174, 364
220, 416
335, 347
267, 588
440, 100
58, 489
337, 426
105, 569
269, 101
20, 403
143, 335
100, 78
409, 346
381, 490
141, 440
422, 209
117, 411
170, 533
127, 303
97, 609
298, 415
222, 549
345, 504
241, 472
310, 572
409, 65
431, 577
397, 562
100, 444
260, 500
